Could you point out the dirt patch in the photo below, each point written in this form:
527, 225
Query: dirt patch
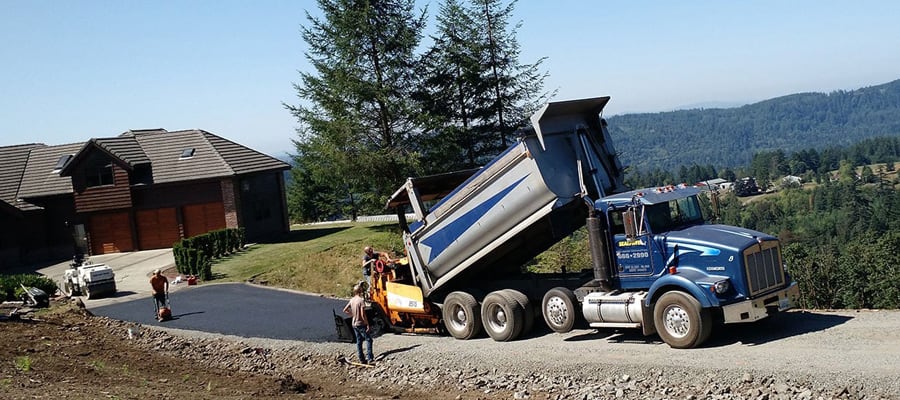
65, 352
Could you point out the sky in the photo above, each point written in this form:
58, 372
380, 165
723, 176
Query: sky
75, 70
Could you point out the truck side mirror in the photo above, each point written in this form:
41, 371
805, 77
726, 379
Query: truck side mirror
628, 221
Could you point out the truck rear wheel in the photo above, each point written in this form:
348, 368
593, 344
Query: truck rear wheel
527, 309
67, 288
502, 316
680, 321
461, 316
559, 309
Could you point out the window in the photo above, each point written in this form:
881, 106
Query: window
187, 153
674, 214
99, 175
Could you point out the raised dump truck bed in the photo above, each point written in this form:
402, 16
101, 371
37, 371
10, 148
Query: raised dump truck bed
487, 223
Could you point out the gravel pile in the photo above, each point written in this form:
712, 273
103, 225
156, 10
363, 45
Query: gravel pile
421, 365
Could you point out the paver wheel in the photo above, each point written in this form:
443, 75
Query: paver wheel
461, 317
680, 321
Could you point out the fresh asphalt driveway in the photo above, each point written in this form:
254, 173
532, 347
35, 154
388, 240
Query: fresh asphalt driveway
231, 308
238, 309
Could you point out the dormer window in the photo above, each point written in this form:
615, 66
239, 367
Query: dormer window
99, 175
61, 163
187, 153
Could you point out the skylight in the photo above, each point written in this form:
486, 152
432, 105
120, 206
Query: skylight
187, 153
61, 163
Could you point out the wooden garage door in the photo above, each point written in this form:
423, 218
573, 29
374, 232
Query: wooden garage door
202, 218
110, 233
157, 229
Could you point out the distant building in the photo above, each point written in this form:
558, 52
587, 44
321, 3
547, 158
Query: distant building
141, 190
715, 184
791, 180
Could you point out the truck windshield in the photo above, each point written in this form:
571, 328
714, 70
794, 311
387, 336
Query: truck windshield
674, 214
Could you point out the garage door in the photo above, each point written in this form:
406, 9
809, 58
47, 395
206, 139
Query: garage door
157, 229
202, 218
110, 233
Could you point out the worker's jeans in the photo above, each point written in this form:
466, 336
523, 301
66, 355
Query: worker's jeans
361, 335
160, 299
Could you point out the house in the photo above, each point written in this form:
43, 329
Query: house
144, 189
714, 184
791, 180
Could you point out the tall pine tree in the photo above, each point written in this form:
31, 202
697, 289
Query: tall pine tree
357, 123
476, 92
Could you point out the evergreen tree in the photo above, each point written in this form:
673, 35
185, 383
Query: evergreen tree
475, 93
515, 90
356, 117
453, 94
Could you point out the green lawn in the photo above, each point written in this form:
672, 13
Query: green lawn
323, 259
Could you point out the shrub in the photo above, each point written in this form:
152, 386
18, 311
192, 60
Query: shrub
194, 255
11, 289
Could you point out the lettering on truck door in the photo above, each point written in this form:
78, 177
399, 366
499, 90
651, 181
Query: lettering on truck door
632, 256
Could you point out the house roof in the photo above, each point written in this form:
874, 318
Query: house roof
29, 170
41, 178
12, 167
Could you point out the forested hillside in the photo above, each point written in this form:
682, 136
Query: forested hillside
730, 137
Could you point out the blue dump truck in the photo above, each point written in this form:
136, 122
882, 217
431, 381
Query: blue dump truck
655, 264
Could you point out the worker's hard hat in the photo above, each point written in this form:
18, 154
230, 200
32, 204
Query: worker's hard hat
156, 271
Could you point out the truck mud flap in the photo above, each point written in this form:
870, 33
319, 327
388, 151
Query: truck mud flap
343, 327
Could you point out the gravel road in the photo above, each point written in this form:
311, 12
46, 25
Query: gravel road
800, 354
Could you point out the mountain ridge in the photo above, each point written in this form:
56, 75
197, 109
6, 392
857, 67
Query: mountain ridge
728, 137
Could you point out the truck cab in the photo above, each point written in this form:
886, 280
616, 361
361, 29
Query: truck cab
662, 250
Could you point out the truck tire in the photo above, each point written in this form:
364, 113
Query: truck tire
66, 288
527, 308
502, 316
559, 309
680, 321
86, 291
461, 317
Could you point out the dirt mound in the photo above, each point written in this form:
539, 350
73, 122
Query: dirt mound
65, 352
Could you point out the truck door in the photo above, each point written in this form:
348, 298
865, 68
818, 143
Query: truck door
633, 255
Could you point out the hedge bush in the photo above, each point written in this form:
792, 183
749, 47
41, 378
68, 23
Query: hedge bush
11, 289
194, 255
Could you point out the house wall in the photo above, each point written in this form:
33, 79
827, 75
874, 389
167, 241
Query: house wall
9, 242
42, 235
175, 195
262, 210
107, 197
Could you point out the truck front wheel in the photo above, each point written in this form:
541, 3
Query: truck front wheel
461, 316
680, 321
559, 310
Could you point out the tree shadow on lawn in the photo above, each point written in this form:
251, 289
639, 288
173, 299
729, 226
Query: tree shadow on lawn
301, 235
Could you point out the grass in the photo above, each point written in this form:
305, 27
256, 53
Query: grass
323, 259
23, 363
97, 365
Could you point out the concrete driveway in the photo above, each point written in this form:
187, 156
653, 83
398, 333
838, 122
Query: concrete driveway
132, 273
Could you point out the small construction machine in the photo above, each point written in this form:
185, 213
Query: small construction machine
393, 304
87, 279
